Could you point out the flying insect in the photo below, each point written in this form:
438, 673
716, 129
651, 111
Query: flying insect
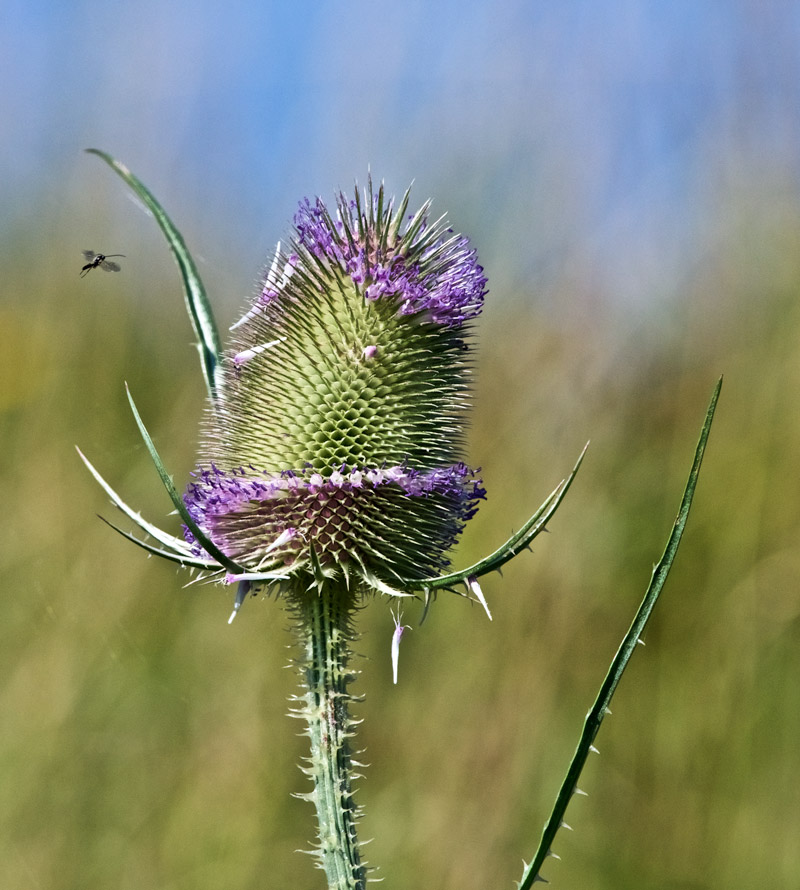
99, 261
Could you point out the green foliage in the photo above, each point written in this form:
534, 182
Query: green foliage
602, 704
139, 748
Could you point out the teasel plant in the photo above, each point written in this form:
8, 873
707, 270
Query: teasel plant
330, 464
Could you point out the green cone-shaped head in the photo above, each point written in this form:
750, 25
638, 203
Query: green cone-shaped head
334, 444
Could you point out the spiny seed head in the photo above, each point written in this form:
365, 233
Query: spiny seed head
334, 443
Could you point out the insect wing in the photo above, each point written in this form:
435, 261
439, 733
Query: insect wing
100, 260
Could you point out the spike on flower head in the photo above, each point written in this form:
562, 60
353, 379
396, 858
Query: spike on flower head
340, 408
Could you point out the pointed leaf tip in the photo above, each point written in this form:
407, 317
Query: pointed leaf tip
399, 630
475, 588
515, 544
241, 592
197, 304
176, 499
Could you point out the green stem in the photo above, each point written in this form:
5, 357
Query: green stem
325, 630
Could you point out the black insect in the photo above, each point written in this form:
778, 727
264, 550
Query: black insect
101, 261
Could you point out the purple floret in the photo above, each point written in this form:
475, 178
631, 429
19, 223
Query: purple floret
433, 274
245, 512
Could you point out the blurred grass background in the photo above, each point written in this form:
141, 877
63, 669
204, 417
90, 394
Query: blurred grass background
630, 177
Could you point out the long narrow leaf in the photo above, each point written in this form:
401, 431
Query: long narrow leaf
517, 542
200, 313
186, 561
177, 500
176, 544
595, 716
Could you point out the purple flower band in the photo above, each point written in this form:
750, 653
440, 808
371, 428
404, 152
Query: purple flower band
246, 511
217, 491
429, 272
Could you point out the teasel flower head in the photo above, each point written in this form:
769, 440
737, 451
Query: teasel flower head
331, 456
333, 447
331, 453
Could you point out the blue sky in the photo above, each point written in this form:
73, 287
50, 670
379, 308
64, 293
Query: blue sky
543, 128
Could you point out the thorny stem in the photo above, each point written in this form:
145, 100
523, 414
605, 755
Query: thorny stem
324, 627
